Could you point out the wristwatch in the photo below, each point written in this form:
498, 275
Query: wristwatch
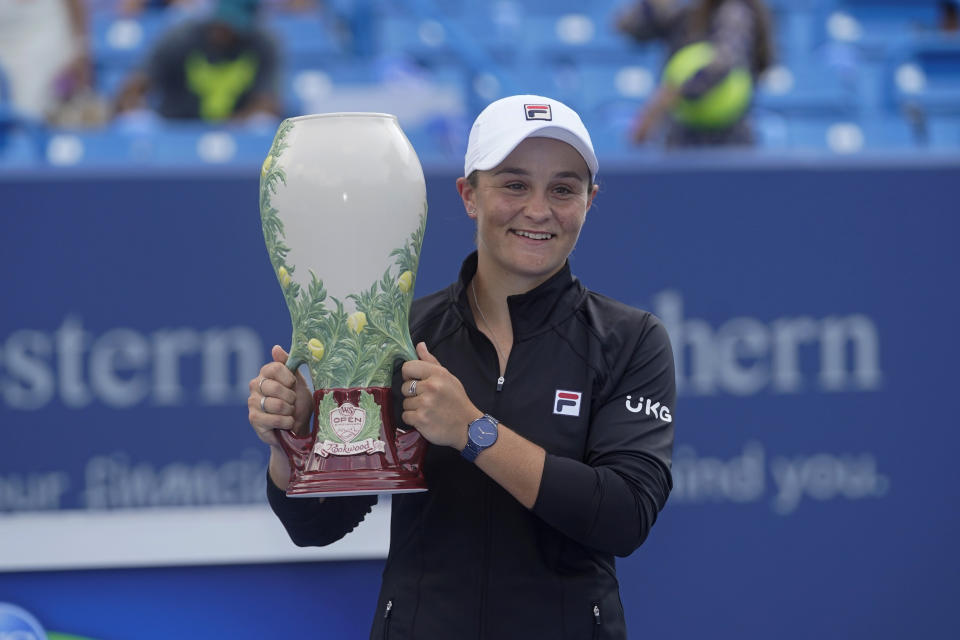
481, 434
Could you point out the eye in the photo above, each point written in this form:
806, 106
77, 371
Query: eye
515, 186
563, 190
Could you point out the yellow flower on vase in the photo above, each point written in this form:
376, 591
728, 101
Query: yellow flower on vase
316, 348
284, 277
357, 321
266, 166
405, 281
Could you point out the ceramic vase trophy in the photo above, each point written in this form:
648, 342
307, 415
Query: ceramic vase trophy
343, 206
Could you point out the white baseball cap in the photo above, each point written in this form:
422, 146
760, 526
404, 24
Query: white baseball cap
509, 121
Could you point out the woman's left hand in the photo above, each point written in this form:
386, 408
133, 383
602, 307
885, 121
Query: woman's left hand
439, 407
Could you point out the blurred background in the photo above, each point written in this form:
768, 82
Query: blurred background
781, 198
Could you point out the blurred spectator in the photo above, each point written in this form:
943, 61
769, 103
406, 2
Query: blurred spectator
45, 58
739, 35
134, 7
219, 68
949, 19
187, 7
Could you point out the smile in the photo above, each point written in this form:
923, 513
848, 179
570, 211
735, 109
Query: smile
533, 235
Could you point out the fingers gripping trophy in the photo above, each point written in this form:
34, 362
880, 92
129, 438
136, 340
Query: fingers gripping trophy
343, 207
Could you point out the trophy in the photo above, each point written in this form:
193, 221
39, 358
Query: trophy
343, 208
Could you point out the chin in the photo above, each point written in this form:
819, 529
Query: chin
538, 269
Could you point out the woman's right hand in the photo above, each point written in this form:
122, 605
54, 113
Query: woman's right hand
287, 402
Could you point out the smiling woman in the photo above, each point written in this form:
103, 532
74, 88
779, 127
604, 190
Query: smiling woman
529, 211
538, 472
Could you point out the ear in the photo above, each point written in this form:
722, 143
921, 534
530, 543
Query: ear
590, 196
468, 195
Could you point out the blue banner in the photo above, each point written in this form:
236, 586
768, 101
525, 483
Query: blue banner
811, 311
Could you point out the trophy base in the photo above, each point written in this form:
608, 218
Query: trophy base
321, 466
355, 483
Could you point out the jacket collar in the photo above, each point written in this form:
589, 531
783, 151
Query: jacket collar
532, 312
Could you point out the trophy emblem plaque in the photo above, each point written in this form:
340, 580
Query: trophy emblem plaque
343, 208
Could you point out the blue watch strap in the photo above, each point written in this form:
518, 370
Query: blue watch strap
471, 451
481, 434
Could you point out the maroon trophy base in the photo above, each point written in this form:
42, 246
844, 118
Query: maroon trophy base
392, 464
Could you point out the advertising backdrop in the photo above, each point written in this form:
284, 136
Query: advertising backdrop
812, 310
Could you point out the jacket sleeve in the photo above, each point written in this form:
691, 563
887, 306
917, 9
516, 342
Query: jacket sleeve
610, 499
316, 523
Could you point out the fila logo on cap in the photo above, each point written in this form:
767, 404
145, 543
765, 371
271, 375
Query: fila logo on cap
538, 111
567, 403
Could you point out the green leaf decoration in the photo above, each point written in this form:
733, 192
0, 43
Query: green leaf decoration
371, 428
341, 350
324, 430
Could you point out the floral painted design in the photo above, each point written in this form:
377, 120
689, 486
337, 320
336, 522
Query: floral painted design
341, 349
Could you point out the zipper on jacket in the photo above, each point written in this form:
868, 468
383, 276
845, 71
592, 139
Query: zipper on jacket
596, 620
496, 358
386, 618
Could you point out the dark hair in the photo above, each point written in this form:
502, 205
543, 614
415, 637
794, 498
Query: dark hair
702, 13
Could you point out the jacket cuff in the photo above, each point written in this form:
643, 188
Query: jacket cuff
312, 522
286, 508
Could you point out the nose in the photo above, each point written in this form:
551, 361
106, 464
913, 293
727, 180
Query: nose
538, 207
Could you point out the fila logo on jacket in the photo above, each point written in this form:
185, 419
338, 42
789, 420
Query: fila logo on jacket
567, 403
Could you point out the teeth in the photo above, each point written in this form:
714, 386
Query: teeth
534, 236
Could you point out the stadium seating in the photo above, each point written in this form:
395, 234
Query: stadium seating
172, 146
851, 75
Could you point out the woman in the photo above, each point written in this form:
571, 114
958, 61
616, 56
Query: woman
517, 535
741, 36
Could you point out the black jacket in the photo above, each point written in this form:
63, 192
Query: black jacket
466, 559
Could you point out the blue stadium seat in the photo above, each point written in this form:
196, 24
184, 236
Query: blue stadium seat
794, 32
887, 132
563, 81
875, 26
943, 133
634, 81
170, 145
191, 145
849, 135
609, 124
374, 86
18, 148
304, 86
555, 7
123, 41
583, 36
426, 39
805, 89
884, 18
100, 148
304, 38
926, 73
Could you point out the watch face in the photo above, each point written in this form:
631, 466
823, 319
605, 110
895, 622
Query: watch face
483, 432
